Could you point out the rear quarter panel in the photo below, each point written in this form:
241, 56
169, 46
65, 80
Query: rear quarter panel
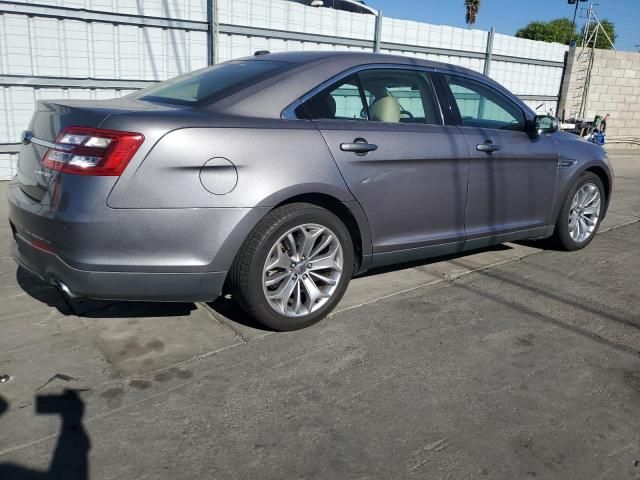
272, 164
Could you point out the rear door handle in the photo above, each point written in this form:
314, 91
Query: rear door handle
487, 147
359, 146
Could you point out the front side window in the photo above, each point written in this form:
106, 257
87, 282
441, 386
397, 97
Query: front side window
481, 106
211, 82
378, 95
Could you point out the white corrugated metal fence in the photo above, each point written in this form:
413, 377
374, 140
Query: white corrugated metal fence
93, 49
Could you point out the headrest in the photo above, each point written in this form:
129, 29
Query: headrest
385, 109
323, 107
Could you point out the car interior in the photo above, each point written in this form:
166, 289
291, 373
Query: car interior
392, 96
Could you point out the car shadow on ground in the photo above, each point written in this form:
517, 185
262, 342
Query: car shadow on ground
84, 307
227, 308
70, 459
224, 306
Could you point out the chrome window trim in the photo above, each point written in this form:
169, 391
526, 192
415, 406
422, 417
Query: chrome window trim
289, 112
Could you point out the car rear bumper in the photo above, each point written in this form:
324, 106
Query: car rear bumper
127, 254
174, 287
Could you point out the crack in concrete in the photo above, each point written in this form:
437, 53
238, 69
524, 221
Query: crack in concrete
223, 321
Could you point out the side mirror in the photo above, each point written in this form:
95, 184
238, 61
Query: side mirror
545, 124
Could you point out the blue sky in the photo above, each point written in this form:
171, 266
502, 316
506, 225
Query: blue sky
510, 15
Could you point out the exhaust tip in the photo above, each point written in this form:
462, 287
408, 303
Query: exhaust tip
65, 290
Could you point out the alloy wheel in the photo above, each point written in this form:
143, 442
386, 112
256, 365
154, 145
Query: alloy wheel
584, 212
303, 270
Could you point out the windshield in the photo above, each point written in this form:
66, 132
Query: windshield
211, 82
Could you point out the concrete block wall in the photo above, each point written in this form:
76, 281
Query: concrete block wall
614, 89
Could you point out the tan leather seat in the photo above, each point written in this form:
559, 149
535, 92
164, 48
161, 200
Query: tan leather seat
385, 109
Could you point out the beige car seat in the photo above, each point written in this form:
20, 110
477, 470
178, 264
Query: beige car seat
385, 109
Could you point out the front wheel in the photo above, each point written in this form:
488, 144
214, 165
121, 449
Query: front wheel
294, 268
581, 213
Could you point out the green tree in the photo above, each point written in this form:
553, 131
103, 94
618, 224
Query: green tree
473, 6
602, 41
558, 30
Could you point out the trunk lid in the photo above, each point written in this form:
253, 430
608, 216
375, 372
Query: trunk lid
48, 120
51, 116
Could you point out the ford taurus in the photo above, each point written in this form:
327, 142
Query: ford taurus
279, 177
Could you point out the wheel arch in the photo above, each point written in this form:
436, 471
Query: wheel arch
568, 177
337, 201
351, 214
604, 178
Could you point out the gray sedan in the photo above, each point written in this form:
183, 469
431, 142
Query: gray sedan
279, 177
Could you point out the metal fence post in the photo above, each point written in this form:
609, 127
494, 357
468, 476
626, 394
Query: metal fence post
489, 52
212, 32
378, 33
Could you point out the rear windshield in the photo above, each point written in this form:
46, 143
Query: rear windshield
210, 83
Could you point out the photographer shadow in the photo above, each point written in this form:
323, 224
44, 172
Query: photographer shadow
71, 456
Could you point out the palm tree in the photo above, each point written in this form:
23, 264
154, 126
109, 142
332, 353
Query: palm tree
472, 11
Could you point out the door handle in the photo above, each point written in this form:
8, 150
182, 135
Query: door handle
359, 146
487, 147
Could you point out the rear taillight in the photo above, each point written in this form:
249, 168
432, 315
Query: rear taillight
92, 151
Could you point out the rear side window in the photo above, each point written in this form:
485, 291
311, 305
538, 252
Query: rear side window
400, 96
482, 106
378, 95
210, 83
340, 101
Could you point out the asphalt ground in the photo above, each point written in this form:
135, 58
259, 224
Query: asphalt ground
512, 362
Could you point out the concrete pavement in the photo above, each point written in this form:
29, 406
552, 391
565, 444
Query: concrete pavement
508, 363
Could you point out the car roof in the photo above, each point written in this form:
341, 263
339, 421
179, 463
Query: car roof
311, 67
357, 58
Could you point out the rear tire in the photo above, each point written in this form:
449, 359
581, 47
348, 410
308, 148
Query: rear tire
273, 277
580, 214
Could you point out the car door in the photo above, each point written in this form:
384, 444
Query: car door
512, 174
408, 171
